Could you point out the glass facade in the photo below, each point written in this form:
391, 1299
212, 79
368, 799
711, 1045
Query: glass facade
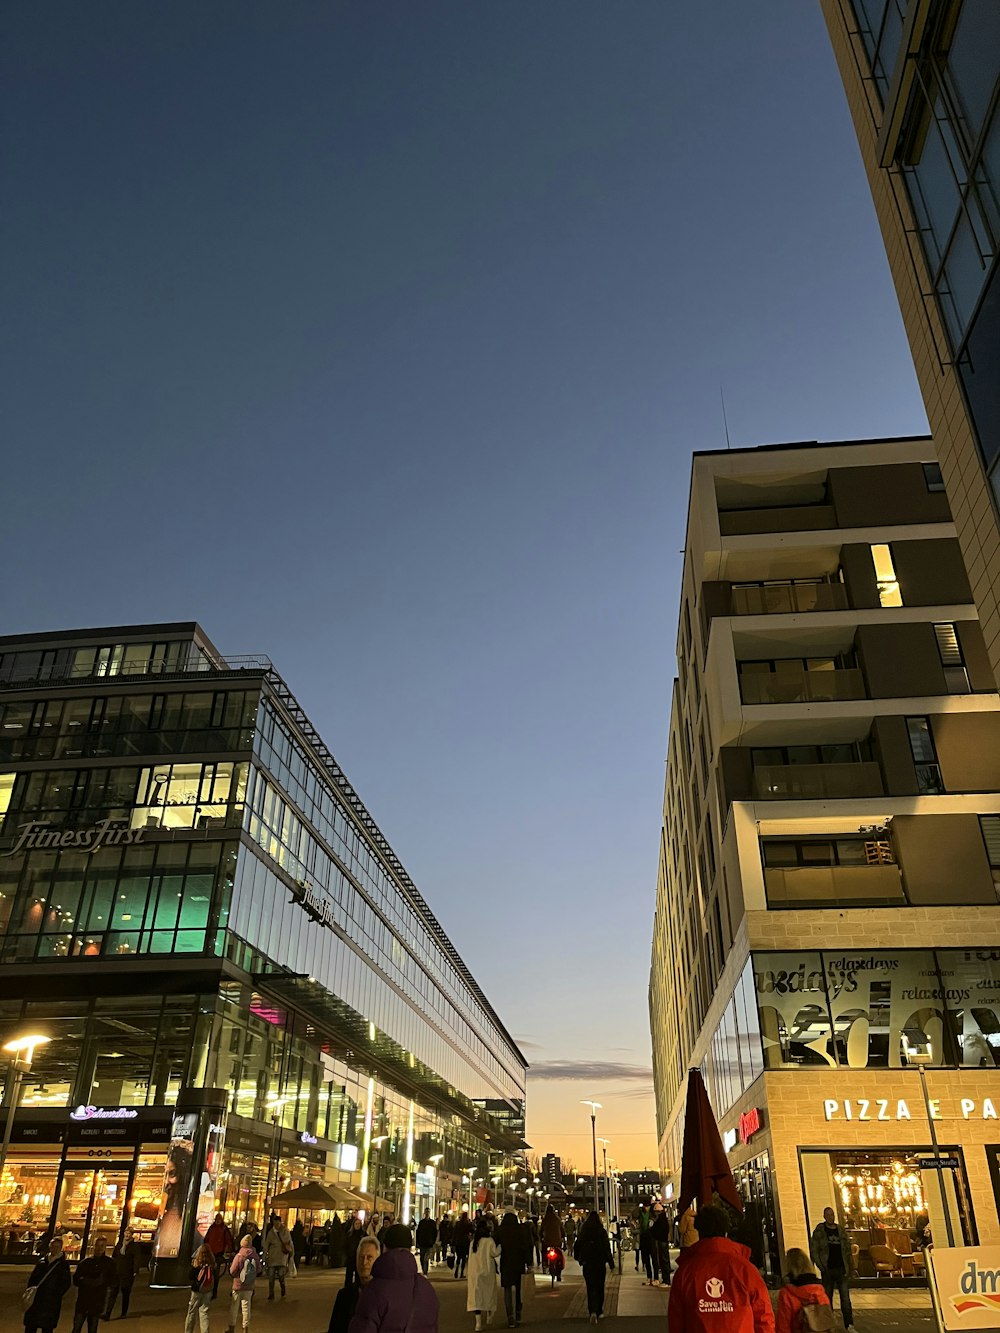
198, 823
942, 106
876, 1009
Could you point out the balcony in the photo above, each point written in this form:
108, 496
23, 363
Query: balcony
811, 782
781, 518
801, 686
780, 598
834, 886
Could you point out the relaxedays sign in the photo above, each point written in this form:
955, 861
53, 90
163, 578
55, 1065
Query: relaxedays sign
967, 1281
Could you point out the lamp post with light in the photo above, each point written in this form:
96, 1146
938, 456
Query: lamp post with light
921, 1056
23, 1051
607, 1189
467, 1178
594, 1108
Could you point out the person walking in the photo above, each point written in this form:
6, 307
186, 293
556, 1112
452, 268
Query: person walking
830, 1249
716, 1288
204, 1282
570, 1232
93, 1279
127, 1259
461, 1239
659, 1245
352, 1240
645, 1250
592, 1252
245, 1269
482, 1278
219, 1240
444, 1238
399, 1299
803, 1305
50, 1279
276, 1254
513, 1262
427, 1234
346, 1303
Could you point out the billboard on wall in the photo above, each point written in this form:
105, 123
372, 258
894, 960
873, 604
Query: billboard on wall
967, 1286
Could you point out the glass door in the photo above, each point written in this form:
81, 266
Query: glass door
91, 1204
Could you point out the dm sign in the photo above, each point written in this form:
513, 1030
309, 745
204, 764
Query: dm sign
968, 1286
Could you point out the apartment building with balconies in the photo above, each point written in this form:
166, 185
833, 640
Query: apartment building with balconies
828, 899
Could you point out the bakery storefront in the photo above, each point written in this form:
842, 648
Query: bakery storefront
82, 1171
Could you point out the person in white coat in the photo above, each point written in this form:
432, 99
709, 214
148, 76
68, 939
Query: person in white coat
481, 1275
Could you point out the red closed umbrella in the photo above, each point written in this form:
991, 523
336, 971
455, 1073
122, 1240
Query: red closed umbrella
704, 1164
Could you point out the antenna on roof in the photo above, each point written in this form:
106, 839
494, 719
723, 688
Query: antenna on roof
725, 422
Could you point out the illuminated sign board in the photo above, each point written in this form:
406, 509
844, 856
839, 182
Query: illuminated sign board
750, 1123
881, 1108
104, 1113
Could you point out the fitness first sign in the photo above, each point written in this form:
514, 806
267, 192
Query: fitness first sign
38, 834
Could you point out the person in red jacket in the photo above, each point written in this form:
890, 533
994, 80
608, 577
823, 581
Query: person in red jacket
716, 1288
804, 1288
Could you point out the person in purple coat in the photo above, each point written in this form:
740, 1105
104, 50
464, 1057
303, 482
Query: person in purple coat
398, 1294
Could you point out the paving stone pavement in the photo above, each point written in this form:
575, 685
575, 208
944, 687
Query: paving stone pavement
546, 1308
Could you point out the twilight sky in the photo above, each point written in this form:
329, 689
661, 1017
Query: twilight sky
377, 337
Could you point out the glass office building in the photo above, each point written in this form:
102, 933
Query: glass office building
242, 987
922, 79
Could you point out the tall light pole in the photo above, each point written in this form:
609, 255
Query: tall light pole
376, 1143
468, 1171
607, 1189
23, 1051
922, 1056
594, 1108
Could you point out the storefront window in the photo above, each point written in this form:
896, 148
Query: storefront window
970, 980
794, 1016
891, 1204
26, 1194
882, 1005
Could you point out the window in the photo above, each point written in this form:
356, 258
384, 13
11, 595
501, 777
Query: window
952, 661
990, 826
885, 577
929, 780
933, 479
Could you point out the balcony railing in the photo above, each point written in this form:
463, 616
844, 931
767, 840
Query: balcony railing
778, 598
781, 518
792, 687
833, 886
809, 782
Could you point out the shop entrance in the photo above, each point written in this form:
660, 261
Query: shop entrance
92, 1201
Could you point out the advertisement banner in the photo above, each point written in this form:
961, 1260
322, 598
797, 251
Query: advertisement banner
176, 1185
967, 1284
209, 1179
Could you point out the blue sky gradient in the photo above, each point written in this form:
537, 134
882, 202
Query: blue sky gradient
377, 338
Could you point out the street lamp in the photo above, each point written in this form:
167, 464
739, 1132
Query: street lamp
921, 1056
594, 1108
607, 1192
23, 1051
467, 1179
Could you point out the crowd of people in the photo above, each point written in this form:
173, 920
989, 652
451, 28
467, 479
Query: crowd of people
716, 1287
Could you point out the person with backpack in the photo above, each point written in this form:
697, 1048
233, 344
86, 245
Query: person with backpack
592, 1252
203, 1282
803, 1305
245, 1269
